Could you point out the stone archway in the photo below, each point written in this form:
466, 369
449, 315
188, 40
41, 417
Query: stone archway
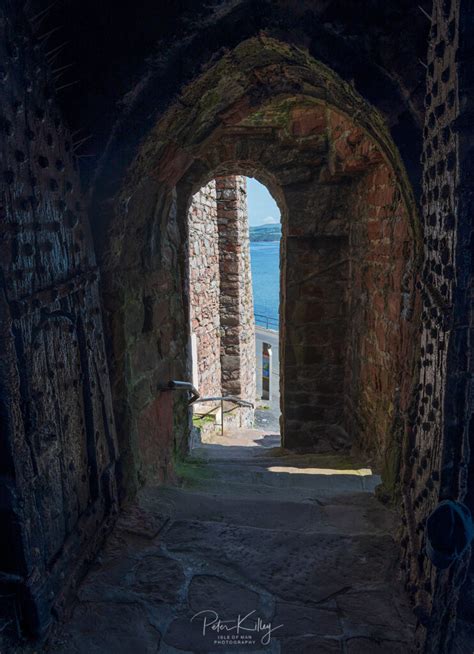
222, 333
142, 262
317, 196
323, 166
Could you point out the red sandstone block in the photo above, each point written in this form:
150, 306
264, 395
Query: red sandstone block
355, 136
401, 230
378, 303
354, 164
381, 176
374, 230
308, 120
394, 306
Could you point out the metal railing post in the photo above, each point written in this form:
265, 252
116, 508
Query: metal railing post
175, 385
222, 417
265, 321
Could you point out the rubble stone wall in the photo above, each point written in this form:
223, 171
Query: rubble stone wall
236, 307
220, 292
384, 316
204, 288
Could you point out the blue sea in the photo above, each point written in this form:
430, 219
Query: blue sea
265, 262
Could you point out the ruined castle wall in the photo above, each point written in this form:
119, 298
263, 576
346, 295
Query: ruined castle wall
220, 291
349, 267
58, 449
236, 297
204, 289
439, 443
384, 316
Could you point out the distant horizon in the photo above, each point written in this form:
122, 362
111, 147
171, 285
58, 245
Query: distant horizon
262, 208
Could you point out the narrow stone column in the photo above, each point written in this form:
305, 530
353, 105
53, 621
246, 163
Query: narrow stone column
313, 342
204, 289
236, 297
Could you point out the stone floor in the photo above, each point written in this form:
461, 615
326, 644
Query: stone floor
267, 415
297, 546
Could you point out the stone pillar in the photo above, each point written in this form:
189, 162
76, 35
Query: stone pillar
236, 297
204, 289
313, 333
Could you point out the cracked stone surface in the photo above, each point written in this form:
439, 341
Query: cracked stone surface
295, 541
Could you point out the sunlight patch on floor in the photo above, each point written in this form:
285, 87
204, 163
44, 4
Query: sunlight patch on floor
361, 472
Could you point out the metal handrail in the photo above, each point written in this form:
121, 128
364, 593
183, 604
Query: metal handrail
266, 321
226, 398
174, 385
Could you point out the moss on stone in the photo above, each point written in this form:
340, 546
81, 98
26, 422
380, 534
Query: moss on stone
192, 472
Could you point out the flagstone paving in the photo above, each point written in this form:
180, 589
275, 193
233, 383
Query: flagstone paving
295, 544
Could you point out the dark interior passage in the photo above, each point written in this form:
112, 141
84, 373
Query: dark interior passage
357, 120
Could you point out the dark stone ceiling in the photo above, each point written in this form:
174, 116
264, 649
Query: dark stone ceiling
117, 49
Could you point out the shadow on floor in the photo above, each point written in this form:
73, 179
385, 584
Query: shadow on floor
301, 551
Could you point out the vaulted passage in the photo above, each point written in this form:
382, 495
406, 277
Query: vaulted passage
126, 306
349, 309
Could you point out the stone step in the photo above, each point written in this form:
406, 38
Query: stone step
354, 513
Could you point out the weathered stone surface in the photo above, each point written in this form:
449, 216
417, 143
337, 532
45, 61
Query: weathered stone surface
206, 591
220, 294
252, 553
204, 290
370, 614
375, 646
100, 628
138, 223
159, 579
297, 619
361, 559
136, 520
311, 645
236, 300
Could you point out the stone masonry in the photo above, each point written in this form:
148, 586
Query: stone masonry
221, 301
94, 301
204, 288
236, 305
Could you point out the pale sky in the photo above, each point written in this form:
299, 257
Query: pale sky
261, 206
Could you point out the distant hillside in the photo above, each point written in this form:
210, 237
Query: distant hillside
265, 233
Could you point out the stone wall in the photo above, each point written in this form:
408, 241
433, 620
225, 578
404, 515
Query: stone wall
204, 288
288, 141
58, 446
220, 293
349, 298
58, 456
316, 280
236, 301
384, 315
438, 461
147, 331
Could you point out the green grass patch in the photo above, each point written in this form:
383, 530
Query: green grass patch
200, 421
192, 472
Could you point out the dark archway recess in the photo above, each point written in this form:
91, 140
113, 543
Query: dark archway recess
240, 116
251, 88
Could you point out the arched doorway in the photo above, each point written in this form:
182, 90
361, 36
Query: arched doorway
349, 264
147, 343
